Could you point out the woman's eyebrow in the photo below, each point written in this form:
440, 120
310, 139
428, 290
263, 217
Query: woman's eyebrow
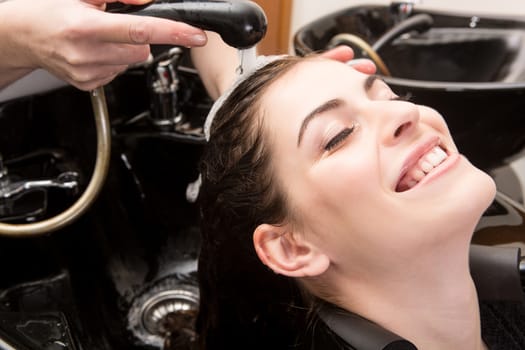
323, 108
369, 81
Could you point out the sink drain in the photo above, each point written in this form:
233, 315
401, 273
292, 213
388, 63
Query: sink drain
151, 317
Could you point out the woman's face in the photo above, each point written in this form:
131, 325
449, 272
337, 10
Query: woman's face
366, 174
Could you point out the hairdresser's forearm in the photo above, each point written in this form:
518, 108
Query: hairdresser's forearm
13, 61
8, 76
216, 63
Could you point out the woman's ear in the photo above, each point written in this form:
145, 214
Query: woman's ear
288, 253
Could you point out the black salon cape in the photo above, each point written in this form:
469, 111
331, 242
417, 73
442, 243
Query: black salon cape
503, 325
502, 328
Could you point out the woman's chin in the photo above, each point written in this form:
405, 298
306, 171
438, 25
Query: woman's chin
465, 195
479, 192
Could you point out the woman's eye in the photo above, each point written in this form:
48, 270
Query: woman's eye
405, 97
337, 139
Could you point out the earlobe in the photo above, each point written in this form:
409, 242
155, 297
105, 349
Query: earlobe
288, 253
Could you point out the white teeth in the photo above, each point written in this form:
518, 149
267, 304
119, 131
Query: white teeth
428, 162
435, 156
425, 166
412, 183
417, 174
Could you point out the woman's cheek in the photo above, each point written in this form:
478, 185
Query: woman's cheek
350, 172
435, 120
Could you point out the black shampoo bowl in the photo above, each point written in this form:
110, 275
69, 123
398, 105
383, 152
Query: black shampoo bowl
470, 68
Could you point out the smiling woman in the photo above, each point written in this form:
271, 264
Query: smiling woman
322, 187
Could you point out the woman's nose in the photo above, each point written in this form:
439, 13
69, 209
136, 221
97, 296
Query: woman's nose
398, 121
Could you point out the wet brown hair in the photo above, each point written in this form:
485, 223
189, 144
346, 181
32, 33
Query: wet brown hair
242, 302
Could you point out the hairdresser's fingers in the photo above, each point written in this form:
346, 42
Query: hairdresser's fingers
340, 53
132, 29
363, 65
93, 84
105, 53
90, 77
129, 2
345, 53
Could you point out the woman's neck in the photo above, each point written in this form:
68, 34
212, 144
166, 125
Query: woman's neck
432, 301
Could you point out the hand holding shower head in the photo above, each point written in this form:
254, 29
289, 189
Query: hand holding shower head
241, 24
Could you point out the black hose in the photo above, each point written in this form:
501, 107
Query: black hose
420, 23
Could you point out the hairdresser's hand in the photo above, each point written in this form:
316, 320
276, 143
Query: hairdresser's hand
80, 43
345, 54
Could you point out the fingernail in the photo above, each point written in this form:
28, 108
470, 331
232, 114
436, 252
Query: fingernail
198, 39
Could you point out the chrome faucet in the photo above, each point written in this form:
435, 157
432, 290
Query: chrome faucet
164, 85
67, 180
15, 196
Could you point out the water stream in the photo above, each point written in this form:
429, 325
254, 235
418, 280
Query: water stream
247, 59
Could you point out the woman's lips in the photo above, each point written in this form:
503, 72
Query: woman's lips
421, 167
450, 160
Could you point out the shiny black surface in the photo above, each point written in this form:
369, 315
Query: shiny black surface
141, 229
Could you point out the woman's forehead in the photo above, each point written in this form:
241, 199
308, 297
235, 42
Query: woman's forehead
310, 82
318, 74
